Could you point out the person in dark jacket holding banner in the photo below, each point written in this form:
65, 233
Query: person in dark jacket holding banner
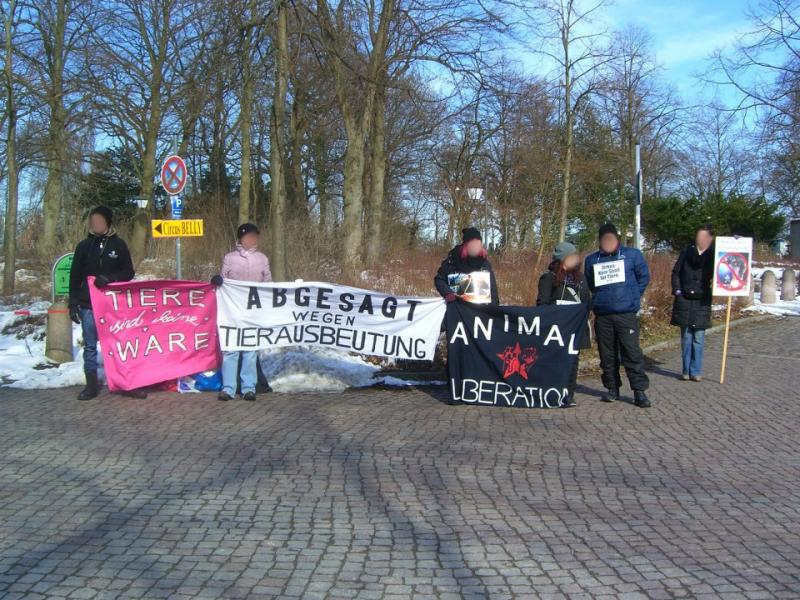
564, 283
691, 310
618, 277
468, 257
104, 255
245, 263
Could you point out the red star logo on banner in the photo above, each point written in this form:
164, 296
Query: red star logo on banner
517, 360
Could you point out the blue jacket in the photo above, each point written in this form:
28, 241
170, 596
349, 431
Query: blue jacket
623, 297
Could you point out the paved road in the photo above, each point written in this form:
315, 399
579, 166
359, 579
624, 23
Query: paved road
387, 494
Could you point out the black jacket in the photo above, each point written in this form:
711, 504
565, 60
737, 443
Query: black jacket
454, 264
98, 255
550, 292
692, 275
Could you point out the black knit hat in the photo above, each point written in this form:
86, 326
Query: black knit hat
104, 212
470, 233
246, 228
608, 228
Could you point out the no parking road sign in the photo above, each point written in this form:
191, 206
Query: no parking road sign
173, 175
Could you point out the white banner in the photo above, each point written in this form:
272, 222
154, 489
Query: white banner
254, 316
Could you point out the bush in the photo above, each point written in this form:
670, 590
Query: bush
672, 221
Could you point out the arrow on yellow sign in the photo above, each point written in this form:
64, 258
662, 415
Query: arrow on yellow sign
177, 228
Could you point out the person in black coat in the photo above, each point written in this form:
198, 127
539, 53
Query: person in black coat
466, 258
563, 282
106, 256
691, 310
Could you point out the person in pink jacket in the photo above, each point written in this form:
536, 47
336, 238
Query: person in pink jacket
245, 263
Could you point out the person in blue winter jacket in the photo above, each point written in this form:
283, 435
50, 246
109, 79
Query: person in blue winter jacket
617, 277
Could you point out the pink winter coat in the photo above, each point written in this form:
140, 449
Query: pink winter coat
246, 265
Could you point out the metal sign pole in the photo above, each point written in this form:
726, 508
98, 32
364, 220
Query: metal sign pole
178, 258
637, 240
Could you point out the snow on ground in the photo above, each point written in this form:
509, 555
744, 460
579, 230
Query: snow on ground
758, 271
781, 308
22, 360
24, 365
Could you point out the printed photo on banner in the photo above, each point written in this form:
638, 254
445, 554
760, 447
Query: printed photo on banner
254, 316
733, 266
512, 356
475, 287
153, 331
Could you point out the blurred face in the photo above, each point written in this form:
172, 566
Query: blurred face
249, 241
474, 248
98, 225
609, 243
571, 262
703, 239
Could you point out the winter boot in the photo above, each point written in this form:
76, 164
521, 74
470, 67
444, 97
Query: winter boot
610, 395
91, 390
640, 399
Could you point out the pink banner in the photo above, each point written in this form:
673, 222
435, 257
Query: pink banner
154, 331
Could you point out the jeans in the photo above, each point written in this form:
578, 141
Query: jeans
692, 350
230, 371
89, 340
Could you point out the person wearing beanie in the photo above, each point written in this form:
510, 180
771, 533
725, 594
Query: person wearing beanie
245, 263
564, 283
106, 256
469, 256
617, 277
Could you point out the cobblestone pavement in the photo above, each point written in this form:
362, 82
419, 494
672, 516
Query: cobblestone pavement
393, 494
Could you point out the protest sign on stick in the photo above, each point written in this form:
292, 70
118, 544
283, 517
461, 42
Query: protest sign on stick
732, 277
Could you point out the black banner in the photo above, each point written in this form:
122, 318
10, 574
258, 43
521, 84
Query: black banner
512, 355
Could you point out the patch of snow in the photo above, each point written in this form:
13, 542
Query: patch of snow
303, 369
781, 308
22, 361
297, 369
758, 272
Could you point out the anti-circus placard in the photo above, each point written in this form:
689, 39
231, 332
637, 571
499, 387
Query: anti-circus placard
254, 316
512, 355
153, 331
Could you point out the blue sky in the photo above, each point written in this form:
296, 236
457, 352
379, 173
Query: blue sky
684, 34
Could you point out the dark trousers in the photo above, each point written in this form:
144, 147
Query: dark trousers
618, 341
573, 376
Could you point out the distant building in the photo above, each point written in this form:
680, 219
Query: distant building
794, 239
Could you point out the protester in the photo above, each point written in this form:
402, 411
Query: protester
104, 255
691, 311
617, 277
468, 257
564, 283
245, 263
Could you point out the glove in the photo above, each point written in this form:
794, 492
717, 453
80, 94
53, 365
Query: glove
101, 281
450, 297
75, 315
678, 293
216, 280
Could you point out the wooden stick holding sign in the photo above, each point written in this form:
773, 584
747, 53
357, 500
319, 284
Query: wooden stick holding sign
732, 268
725, 342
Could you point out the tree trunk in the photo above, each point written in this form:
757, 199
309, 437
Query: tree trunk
10, 234
277, 221
246, 125
57, 138
375, 199
246, 120
567, 172
296, 192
